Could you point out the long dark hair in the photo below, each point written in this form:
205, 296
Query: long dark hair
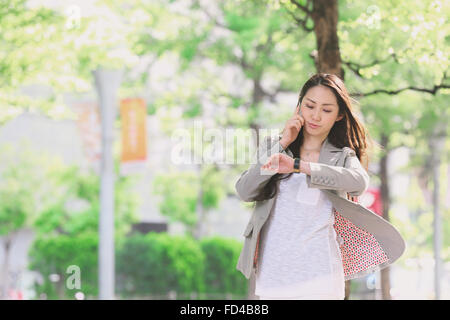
347, 132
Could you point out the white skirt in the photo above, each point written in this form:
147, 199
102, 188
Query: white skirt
328, 287
305, 297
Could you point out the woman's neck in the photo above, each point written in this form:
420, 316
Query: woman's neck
312, 143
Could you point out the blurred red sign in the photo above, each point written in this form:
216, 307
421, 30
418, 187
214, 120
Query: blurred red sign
90, 129
371, 199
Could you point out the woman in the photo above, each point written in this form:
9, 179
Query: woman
309, 237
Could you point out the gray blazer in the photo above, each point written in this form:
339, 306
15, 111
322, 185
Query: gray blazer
338, 172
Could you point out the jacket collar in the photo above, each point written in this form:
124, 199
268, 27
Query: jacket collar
329, 146
325, 150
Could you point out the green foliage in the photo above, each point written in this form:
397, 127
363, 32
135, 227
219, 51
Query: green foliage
253, 37
187, 262
157, 263
190, 48
25, 37
151, 109
61, 204
22, 170
193, 109
180, 194
57, 47
213, 191
77, 209
141, 266
54, 254
417, 228
32, 52
221, 275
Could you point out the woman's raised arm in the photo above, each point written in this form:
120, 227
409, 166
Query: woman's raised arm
352, 177
253, 179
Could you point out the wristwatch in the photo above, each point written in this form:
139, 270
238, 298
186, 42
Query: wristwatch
297, 165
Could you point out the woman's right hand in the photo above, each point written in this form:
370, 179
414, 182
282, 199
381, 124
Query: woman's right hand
292, 128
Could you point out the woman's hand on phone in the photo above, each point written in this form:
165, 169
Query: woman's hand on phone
292, 128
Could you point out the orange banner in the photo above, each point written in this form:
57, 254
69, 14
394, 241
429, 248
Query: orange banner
134, 133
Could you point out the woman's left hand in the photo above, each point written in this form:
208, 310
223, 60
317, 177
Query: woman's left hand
279, 163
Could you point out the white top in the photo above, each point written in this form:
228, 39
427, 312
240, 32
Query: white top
299, 250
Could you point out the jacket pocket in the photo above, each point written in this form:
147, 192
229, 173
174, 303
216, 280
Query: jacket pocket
249, 229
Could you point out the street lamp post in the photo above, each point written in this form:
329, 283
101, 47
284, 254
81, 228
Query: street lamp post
107, 82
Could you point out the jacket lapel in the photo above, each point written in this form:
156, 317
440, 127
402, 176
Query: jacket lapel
329, 154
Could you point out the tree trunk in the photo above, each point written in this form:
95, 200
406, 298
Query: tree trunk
385, 278
256, 128
325, 16
436, 145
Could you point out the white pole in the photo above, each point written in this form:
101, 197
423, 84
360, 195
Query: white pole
107, 82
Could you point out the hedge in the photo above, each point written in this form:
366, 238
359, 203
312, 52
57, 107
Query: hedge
147, 266
157, 263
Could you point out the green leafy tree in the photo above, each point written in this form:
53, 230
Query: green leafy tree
67, 231
55, 47
184, 195
22, 169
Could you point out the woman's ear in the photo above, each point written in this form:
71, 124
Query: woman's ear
339, 117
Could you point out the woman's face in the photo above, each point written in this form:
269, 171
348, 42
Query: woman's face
319, 106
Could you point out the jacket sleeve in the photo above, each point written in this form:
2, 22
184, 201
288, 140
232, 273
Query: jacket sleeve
352, 177
253, 179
